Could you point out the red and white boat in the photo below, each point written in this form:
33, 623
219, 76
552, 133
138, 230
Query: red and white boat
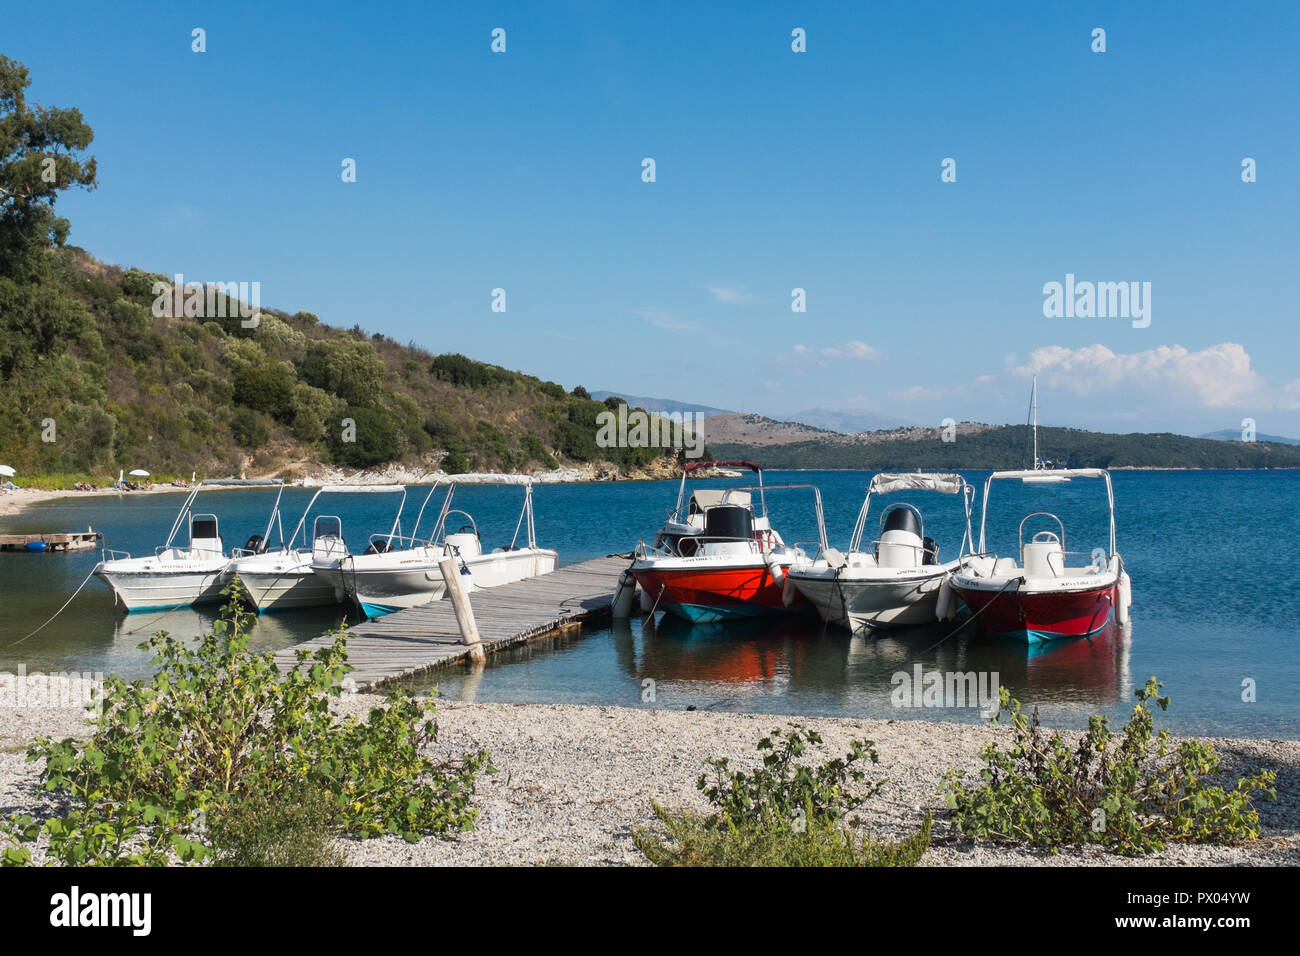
1039, 596
717, 557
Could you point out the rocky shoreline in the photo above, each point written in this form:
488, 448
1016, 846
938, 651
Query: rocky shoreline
573, 781
13, 502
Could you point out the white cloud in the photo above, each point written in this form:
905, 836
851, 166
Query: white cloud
665, 319
918, 393
1215, 377
849, 350
732, 294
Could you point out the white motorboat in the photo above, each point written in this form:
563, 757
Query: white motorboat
1039, 595
283, 578
174, 576
397, 571
899, 578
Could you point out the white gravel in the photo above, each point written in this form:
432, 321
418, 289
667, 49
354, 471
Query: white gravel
572, 782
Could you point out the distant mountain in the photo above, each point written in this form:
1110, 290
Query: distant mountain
848, 421
1234, 434
976, 446
757, 430
664, 405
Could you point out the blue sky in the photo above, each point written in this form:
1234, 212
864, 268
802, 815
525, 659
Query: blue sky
775, 170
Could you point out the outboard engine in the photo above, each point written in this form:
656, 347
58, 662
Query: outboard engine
901, 519
929, 551
378, 547
255, 545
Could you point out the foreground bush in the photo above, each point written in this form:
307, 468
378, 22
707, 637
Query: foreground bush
785, 813
693, 841
1131, 792
188, 764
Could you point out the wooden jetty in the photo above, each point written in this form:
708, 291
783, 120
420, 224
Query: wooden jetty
410, 642
51, 541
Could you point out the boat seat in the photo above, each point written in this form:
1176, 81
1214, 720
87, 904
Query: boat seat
1044, 557
899, 549
464, 544
1005, 568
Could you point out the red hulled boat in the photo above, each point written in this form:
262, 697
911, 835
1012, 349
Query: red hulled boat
718, 558
1038, 596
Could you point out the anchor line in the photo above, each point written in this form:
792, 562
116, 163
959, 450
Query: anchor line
60, 610
651, 615
975, 615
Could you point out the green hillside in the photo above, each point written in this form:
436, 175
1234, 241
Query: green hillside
127, 389
1004, 447
98, 373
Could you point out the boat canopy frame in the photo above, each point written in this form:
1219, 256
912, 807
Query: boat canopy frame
682, 499
1064, 474
887, 483
184, 517
525, 521
301, 526
818, 510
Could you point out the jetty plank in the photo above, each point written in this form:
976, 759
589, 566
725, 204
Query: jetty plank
410, 642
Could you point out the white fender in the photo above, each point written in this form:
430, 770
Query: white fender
621, 602
774, 568
647, 601
945, 607
1125, 598
788, 591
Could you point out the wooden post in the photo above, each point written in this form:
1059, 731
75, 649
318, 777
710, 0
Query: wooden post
464, 613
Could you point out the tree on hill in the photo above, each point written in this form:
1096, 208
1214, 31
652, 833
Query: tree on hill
40, 157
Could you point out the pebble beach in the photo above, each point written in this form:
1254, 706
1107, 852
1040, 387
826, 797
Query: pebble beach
572, 782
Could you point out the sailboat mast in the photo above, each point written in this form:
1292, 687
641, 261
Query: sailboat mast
1033, 402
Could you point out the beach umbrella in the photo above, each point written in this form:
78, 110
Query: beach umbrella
140, 473
7, 471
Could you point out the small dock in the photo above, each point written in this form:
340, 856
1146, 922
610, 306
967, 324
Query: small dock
419, 639
51, 541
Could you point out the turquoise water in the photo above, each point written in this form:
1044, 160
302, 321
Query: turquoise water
1209, 554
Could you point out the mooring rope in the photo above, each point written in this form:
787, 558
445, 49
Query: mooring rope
975, 615
60, 610
651, 616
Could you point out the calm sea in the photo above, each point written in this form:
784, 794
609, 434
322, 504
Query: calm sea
1208, 616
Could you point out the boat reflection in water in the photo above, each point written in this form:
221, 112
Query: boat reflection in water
267, 633
823, 669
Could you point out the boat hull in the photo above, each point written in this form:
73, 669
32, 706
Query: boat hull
380, 588
286, 586
162, 590
867, 603
1039, 616
705, 592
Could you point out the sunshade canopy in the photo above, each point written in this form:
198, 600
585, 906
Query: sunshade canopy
709, 497
885, 483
